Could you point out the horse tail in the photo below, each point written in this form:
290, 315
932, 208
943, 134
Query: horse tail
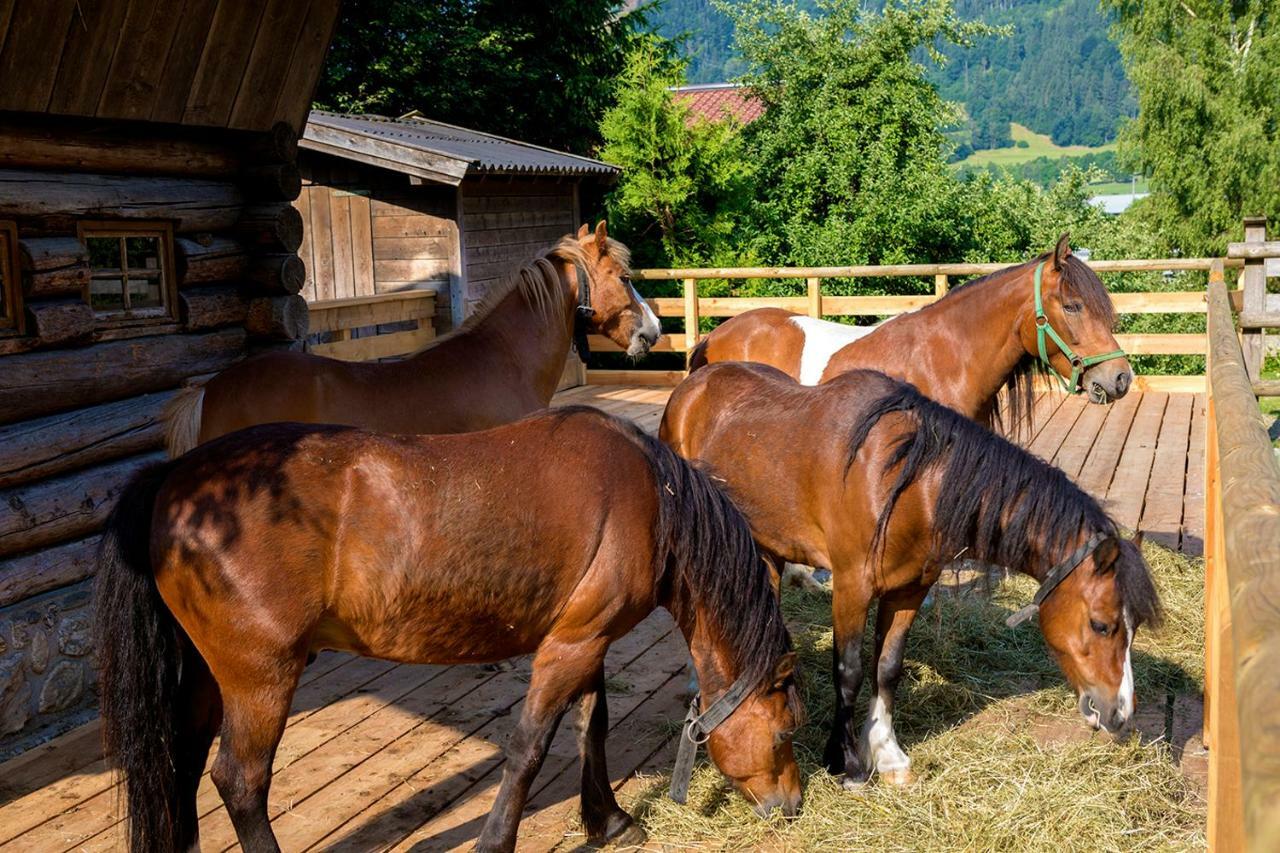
140, 654
182, 416
698, 355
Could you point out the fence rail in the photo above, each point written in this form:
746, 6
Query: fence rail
354, 326
692, 307
1242, 598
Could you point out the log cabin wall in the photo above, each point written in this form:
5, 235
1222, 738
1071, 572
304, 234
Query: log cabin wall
168, 130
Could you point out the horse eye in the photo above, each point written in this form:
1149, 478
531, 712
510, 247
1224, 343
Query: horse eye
1073, 307
1099, 628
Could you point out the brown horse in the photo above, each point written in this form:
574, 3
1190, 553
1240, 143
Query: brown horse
865, 476
961, 350
554, 536
501, 364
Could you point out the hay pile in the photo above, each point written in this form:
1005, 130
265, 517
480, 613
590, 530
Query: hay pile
1003, 760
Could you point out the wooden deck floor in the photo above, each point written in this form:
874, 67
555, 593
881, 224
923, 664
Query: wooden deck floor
378, 756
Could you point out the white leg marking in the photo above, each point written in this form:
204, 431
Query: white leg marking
878, 743
822, 339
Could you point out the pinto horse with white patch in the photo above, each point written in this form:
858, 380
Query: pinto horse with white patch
1052, 313
503, 363
865, 476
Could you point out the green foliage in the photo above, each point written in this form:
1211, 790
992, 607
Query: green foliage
536, 71
1044, 171
686, 184
1207, 74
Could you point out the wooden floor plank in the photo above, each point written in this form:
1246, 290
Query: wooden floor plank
1075, 448
1162, 510
1055, 431
1193, 500
1127, 493
1100, 466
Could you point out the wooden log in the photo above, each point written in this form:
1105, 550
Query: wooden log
63, 321
692, 325
208, 259
42, 447
1259, 321
40, 383
70, 507
279, 275
40, 571
1254, 250
75, 147
1267, 388
277, 145
53, 266
278, 318
52, 201
274, 182
272, 227
210, 307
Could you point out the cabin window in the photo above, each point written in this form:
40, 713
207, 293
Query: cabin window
131, 266
10, 281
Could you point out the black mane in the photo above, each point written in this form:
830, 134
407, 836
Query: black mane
997, 501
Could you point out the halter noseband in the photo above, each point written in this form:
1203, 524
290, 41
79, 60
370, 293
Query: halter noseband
581, 315
1055, 576
1078, 364
697, 728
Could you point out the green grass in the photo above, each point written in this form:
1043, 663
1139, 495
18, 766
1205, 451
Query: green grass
1002, 759
1038, 145
1271, 405
1120, 187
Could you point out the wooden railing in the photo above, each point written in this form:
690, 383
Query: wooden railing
692, 307
1242, 596
353, 325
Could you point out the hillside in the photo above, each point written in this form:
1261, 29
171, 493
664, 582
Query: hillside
1057, 74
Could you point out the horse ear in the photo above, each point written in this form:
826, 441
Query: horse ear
1062, 251
1106, 554
784, 669
584, 231
602, 235
1137, 539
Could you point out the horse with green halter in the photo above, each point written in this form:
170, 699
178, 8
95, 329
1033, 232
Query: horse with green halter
1079, 364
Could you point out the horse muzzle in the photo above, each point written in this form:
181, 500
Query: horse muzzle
642, 340
1107, 382
788, 804
1101, 714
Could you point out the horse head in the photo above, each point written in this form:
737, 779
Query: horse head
1070, 328
1089, 623
613, 306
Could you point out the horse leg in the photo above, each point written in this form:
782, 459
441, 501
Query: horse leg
602, 817
849, 620
878, 743
255, 710
561, 673
198, 722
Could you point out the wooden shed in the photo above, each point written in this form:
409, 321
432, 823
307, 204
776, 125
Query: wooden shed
147, 165
394, 205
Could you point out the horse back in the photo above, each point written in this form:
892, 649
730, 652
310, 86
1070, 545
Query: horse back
763, 335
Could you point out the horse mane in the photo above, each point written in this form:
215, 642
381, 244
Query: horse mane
707, 563
1019, 390
538, 283
996, 501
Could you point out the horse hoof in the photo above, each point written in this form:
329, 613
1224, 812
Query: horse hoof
621, 832
902, 776
853, 784
633, 837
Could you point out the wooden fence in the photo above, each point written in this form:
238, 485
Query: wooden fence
692, 307
353, 329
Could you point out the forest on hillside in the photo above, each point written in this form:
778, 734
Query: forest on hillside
1057, 72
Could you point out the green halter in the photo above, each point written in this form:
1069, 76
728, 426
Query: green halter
1078, 364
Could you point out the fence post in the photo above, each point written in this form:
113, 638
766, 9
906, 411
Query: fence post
940, 285
815, 297
691, 323
1254, 283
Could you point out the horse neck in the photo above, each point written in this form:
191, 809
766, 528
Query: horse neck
981, 323
535, 342
710, 660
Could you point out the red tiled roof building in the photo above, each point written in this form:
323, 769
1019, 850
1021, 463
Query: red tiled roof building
714, 101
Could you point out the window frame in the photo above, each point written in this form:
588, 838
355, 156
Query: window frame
11, 313
167, 312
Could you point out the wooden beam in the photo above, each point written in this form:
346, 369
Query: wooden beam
1253, 282
915, 270
277, 318
814, 285
40, 571
1252, 251
210, 259
54, 266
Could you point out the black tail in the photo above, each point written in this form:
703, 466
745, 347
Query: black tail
719, 571
140, 650
698, 355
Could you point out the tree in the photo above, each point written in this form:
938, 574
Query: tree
541, 70
686, 183
1207, 73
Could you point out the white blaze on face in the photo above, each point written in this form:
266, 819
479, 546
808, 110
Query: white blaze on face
822, 339
1126, 702
649, 326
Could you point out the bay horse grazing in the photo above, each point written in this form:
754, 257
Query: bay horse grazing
865, 476
222, 570
992, 333
504, 362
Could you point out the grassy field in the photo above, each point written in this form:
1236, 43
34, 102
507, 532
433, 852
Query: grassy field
1038, 145
1120, 187
1002, 759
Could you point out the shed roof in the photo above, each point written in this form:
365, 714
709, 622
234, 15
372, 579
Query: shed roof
439, 152
715, 101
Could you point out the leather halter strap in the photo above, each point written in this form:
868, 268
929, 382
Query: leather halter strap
582, 315
697, 728
1055, 576
1078, 363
